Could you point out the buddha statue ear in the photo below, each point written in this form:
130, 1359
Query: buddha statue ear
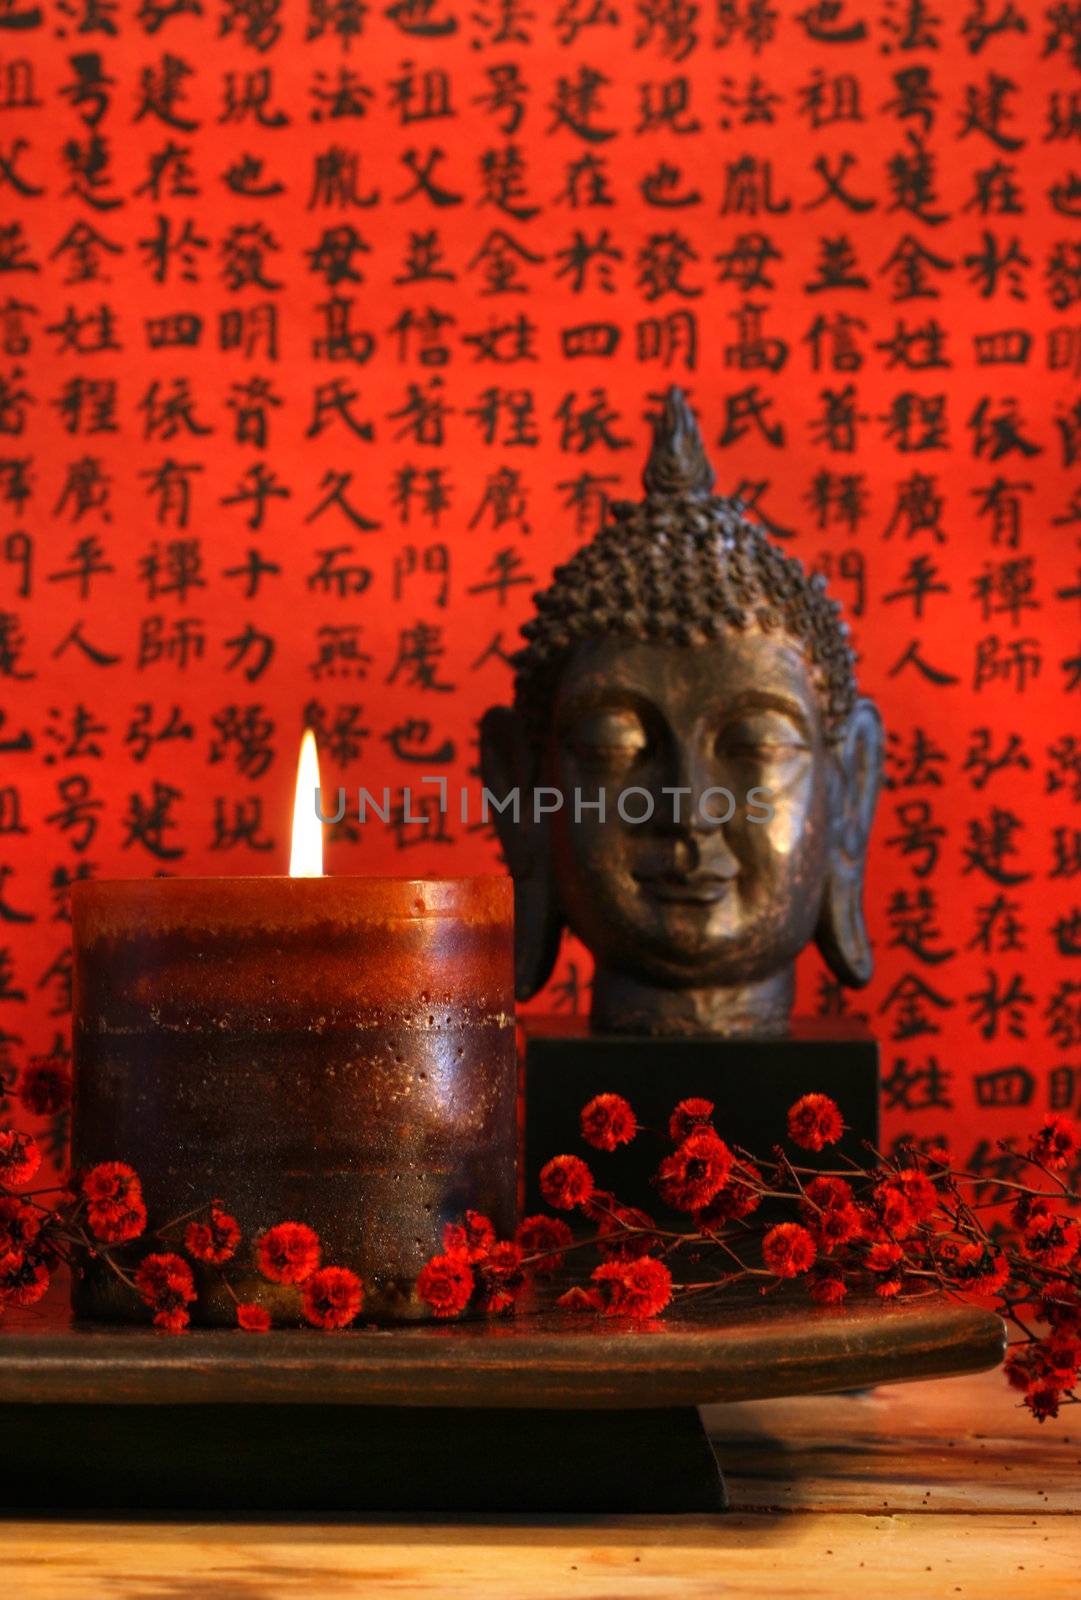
842, 933
508, 768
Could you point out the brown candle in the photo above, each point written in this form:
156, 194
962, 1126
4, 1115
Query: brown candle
335, 1051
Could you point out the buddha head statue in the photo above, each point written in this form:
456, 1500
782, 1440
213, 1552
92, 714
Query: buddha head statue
687, 773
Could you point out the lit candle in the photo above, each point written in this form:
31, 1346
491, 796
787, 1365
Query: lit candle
331, 1050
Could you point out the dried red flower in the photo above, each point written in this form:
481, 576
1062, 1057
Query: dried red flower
472, 1239
1056, 1141
1058, 1359
738, 1199
253, 1318
215, 1240
601, 1203
973, 1265
834, 1227
638, 1288
883, 1256
111, 1182
626, 1232
174, 1321
332, 1297
788, 1249
501, 1277
19, 1228
45, 1086
116, 1221
288, 1253
445, 1284
918, 1190
115, 1210
1061, 1306
829, 1213
689, 1115
893, 1211
1051, 1240
24, 1283
825, 1194
165, 1282
545, 1238
608, 1121
20, 1157
695, 1174
814, 1122
566, 1182
828, 1289
1042, 1400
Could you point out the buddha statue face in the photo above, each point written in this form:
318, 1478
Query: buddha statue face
696, 786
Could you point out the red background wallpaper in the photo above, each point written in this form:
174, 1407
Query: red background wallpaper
325, 329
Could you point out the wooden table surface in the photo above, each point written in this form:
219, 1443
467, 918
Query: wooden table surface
941, 1488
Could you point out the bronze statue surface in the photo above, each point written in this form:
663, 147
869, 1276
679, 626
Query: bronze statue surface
696, 772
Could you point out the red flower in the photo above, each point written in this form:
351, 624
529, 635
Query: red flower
473, 1239
111, 1180
24, 1283
1061, 1305
976, 1266
814, 1121
165, 1282
829, 1213
1042, 1400
835, 1227
546, 1238
1051, 1240
608, 1121
893, 1210
695, 1173
19, 1227
626, 1232
739, 1197
1056, 1141
883, 1256
288, 1253
501, 1277
174, 1321
253, 1318
828, 1289
638, 1288
114, 1221
1059, 1359
788, 1250
918, 1190
332, 1297
445, 1284
45, 1086
601, 1203
826, 1194
20, 1157
566, 1182
689, 1115
214, 1241
115, 1210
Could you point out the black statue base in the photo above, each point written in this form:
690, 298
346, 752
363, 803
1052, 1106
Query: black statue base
752, 1083
214, 1459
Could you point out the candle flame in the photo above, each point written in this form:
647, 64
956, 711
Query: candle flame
306, 857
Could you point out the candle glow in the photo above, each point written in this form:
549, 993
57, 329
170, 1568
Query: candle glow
306, 856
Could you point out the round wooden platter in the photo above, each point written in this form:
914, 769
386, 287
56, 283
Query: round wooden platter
711, 1349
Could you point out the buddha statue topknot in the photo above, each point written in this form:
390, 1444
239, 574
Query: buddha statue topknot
696, 771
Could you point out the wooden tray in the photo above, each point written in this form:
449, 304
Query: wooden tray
542, 1411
